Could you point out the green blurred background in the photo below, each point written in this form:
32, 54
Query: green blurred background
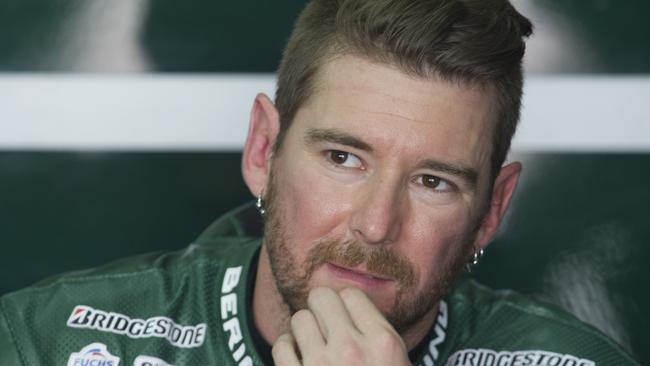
577, 234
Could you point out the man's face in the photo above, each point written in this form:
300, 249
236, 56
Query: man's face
380, 184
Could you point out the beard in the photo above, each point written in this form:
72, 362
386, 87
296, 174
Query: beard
292, 278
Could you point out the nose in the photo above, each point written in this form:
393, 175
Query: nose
377, 213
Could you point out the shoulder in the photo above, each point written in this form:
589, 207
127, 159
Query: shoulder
145, 270
147, 297
510, 326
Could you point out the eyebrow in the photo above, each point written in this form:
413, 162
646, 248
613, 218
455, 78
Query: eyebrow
317, 135
469, 175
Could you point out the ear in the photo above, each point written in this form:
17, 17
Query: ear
262, 132
504, 186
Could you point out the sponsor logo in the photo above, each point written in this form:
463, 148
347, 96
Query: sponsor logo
149, 361
440, 330
94, 354
488, 357
184, 336
230, 319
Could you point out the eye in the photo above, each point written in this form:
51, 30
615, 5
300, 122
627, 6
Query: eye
434, 183
344, 159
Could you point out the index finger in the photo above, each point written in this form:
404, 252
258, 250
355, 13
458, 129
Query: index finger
330, 311
363, 311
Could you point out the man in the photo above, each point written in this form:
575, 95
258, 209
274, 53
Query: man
379, 175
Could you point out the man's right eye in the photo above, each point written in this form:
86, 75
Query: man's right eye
344, 159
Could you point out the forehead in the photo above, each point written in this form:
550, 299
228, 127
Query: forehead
391, 109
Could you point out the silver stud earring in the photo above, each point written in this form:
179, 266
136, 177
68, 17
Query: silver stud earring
474, 260
476, 257
259, 204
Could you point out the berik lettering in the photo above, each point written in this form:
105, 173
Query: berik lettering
184, 336
231, 324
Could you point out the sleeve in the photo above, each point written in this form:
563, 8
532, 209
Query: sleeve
9, 355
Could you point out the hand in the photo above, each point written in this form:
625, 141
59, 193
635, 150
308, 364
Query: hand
340, 329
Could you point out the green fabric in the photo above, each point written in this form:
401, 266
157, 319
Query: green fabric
189, 308
487, 327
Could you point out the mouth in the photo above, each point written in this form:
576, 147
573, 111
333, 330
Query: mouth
357, 275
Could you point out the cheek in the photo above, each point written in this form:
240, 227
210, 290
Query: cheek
437, 240
313, 208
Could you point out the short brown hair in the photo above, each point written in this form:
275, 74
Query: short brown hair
469, 41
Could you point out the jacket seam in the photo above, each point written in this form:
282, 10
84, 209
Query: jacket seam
81, 279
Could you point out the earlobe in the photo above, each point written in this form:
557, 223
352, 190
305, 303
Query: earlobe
504, 187
262, 133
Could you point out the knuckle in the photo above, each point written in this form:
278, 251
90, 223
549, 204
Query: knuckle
352, 355
318, 359
388, 341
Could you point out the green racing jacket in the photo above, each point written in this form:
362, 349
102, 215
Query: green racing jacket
192, 308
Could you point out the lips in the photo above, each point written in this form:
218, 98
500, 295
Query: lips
358, 275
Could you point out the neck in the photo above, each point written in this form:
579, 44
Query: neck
271, 315
413, 335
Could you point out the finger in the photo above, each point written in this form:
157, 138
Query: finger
329, 310
284, 351
365, 315
306, 332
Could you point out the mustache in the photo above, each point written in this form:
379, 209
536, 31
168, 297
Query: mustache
379, 260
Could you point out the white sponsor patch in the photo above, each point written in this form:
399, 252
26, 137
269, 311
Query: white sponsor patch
149, 361
488, 357
230, 317
184, 336
431, 357
94, 354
